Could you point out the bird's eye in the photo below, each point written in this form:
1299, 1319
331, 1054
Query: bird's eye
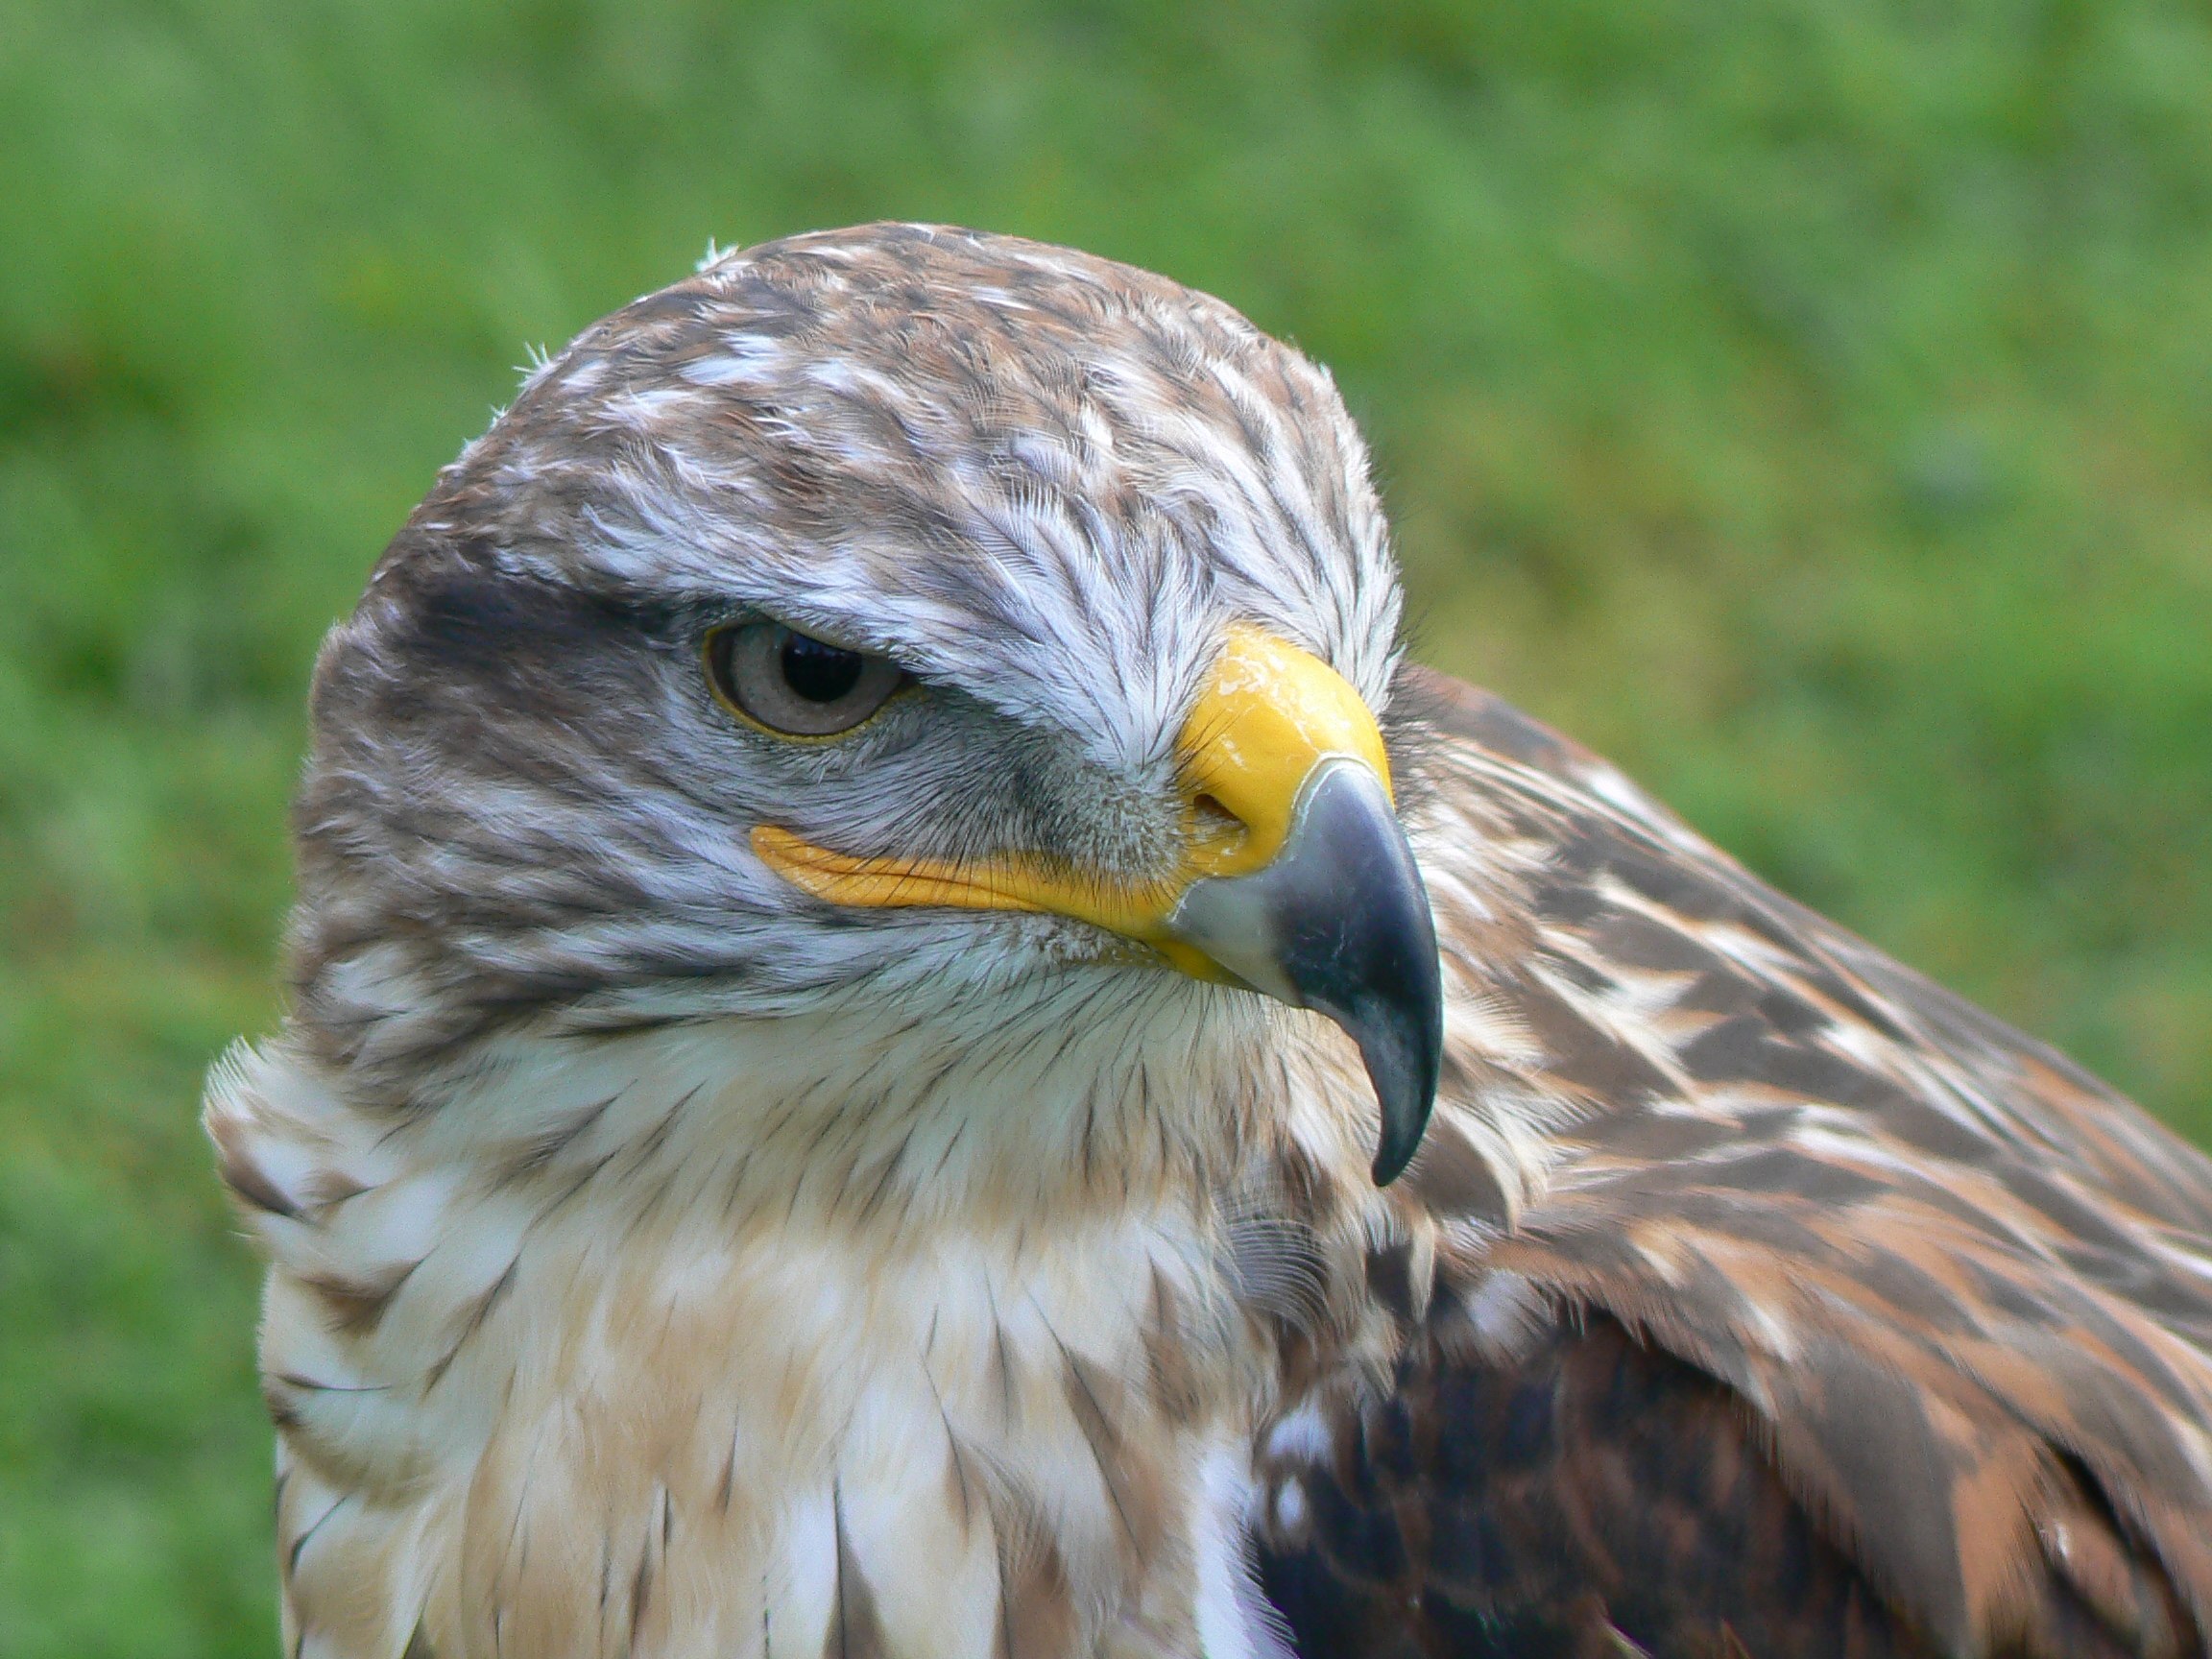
794, 684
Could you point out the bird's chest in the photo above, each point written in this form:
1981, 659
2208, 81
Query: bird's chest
784, 1444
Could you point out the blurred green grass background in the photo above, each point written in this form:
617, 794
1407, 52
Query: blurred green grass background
1808, 403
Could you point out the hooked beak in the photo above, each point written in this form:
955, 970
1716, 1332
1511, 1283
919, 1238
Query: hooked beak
1338, 922
1297, 880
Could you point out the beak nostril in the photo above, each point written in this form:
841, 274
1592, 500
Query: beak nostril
1212, 820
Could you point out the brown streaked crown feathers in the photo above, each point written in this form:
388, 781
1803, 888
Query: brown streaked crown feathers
667, 1260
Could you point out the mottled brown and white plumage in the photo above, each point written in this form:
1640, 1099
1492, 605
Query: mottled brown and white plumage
667, 1260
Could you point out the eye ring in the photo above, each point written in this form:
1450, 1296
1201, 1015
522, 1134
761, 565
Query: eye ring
794, 685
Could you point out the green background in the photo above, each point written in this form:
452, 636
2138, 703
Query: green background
1808, 403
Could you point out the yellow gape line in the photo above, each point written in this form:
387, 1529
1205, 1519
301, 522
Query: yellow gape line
1269, 717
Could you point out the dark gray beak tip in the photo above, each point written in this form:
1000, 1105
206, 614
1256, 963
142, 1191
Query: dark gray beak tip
1398, 1025
1404, 1096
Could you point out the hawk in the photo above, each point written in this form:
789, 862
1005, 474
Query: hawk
911, 1035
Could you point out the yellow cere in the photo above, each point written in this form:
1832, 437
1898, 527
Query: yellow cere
1269, 714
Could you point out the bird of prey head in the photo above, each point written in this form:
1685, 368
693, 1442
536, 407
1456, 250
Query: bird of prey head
881, 922
904, 621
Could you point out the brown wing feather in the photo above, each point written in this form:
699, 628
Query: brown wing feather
1830, 1262
1593, 1494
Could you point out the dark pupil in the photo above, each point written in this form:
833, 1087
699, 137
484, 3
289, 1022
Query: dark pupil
819, 673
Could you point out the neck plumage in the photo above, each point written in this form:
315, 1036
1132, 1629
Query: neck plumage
691, 1332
